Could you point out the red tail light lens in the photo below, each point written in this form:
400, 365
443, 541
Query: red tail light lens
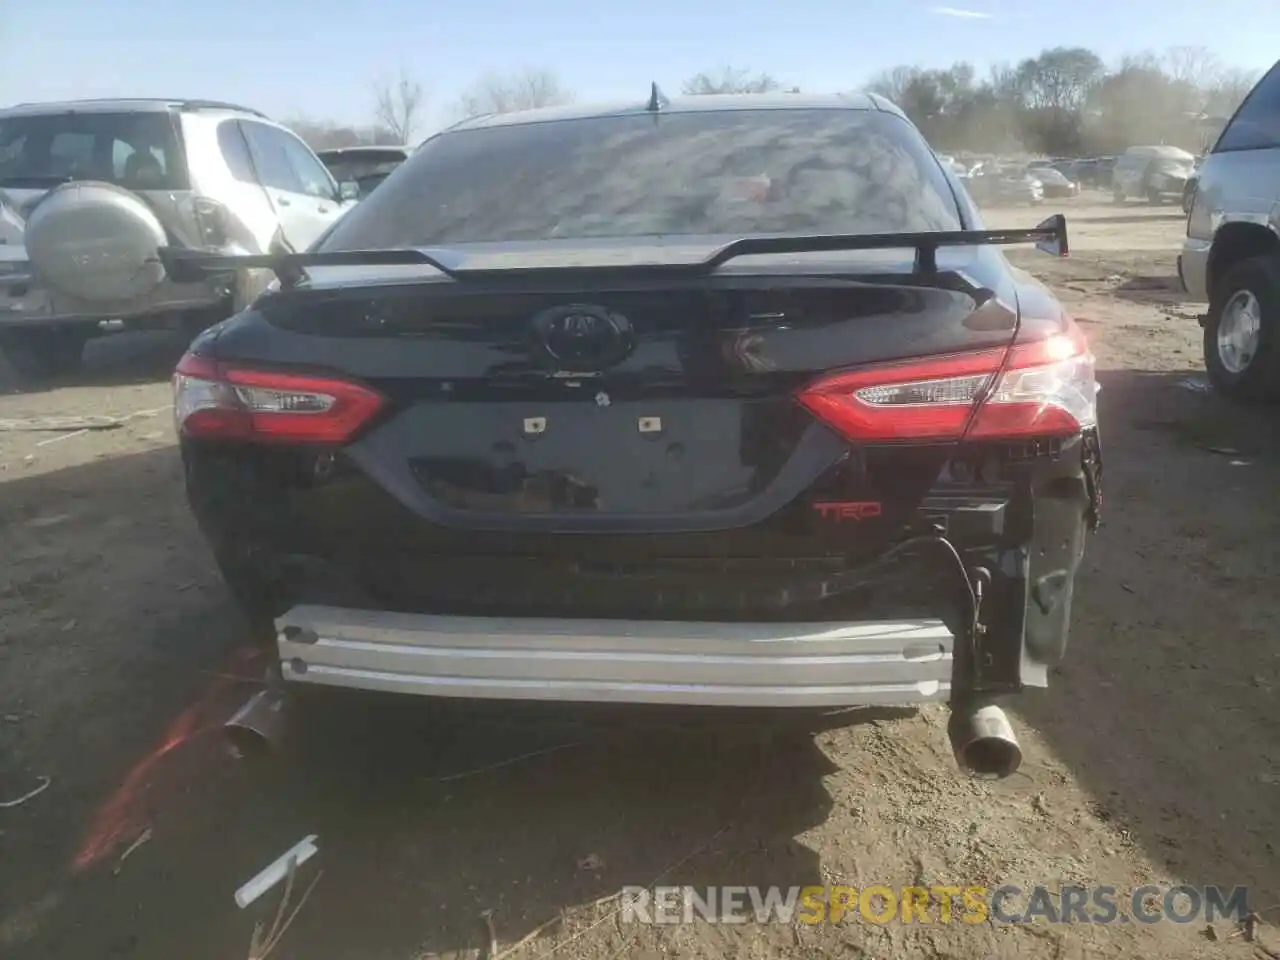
1047, 388
220, 401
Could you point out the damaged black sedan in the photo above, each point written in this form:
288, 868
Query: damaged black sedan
725, 401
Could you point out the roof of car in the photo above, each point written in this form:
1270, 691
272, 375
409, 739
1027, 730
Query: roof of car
123, 105
695, 104
1164, 150
364, 148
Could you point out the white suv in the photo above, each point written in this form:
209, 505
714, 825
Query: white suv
1231, 256
98, 186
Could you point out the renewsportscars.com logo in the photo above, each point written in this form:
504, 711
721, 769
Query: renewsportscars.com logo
880, 904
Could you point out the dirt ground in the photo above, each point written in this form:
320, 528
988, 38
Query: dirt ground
1153, 758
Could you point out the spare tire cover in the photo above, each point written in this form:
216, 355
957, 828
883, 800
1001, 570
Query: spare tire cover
95, 241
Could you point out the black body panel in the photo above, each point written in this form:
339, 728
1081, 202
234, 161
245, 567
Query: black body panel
694, 427
322, 531
500, 482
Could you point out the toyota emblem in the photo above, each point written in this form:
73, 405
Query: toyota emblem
582, 337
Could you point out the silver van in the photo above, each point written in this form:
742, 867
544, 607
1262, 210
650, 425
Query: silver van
1155, 174
1231, 256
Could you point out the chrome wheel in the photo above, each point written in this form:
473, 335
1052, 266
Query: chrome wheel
1239, 331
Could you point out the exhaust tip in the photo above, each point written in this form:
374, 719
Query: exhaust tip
984, 743
244, 742
256, 727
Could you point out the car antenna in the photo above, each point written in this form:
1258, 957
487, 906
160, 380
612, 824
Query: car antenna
657, 99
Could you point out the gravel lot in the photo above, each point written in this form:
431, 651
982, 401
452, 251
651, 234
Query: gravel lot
1154, 757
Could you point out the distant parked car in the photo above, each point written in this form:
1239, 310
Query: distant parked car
1005, 186
99, 185
1152, 173
1094, 172
1086, 172
954, 165
366, 166
1055, 183
1069, 169
1231, 256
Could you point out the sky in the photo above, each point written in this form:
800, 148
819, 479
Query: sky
321, 60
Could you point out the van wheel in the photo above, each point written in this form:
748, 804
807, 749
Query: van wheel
41, 353
1241, 329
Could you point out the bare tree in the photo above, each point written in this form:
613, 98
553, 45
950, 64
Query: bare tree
1138, 103
398, 105
731, 80
1059, 79
894, 84
1227, 91
524, 89
1194, 66
1066, 101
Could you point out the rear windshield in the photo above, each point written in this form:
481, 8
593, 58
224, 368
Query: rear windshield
139, 151
359, 166
731, 172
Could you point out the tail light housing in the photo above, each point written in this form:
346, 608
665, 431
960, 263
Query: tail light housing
220, 401
213, 222
1044, 388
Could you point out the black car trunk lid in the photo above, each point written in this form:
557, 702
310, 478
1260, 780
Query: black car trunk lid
632, 407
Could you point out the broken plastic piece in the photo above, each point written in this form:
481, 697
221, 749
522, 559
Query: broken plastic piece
44, 785
299, 854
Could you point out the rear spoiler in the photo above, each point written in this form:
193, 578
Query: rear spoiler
188, 266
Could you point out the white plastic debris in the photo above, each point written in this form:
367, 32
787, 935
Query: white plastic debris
56, 424
300, 853
30, 794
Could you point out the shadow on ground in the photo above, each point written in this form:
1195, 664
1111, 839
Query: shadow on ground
1160, 289
1128, 218
417, 837
115, 359
1168, 708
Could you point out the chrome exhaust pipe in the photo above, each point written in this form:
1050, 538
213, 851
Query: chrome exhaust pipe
256, 727
983, 741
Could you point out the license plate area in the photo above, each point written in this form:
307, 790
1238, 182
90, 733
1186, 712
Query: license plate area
597, 455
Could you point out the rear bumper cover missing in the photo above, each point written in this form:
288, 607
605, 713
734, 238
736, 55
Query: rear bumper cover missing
618, 661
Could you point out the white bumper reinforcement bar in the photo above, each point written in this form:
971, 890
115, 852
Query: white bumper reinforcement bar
619, 661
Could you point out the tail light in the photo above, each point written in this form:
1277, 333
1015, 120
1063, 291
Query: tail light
220, 401
1045, 389
212, 222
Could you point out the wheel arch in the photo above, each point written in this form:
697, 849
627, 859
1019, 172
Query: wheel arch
1234, 242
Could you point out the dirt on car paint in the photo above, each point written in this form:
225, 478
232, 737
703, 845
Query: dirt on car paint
1154, 757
